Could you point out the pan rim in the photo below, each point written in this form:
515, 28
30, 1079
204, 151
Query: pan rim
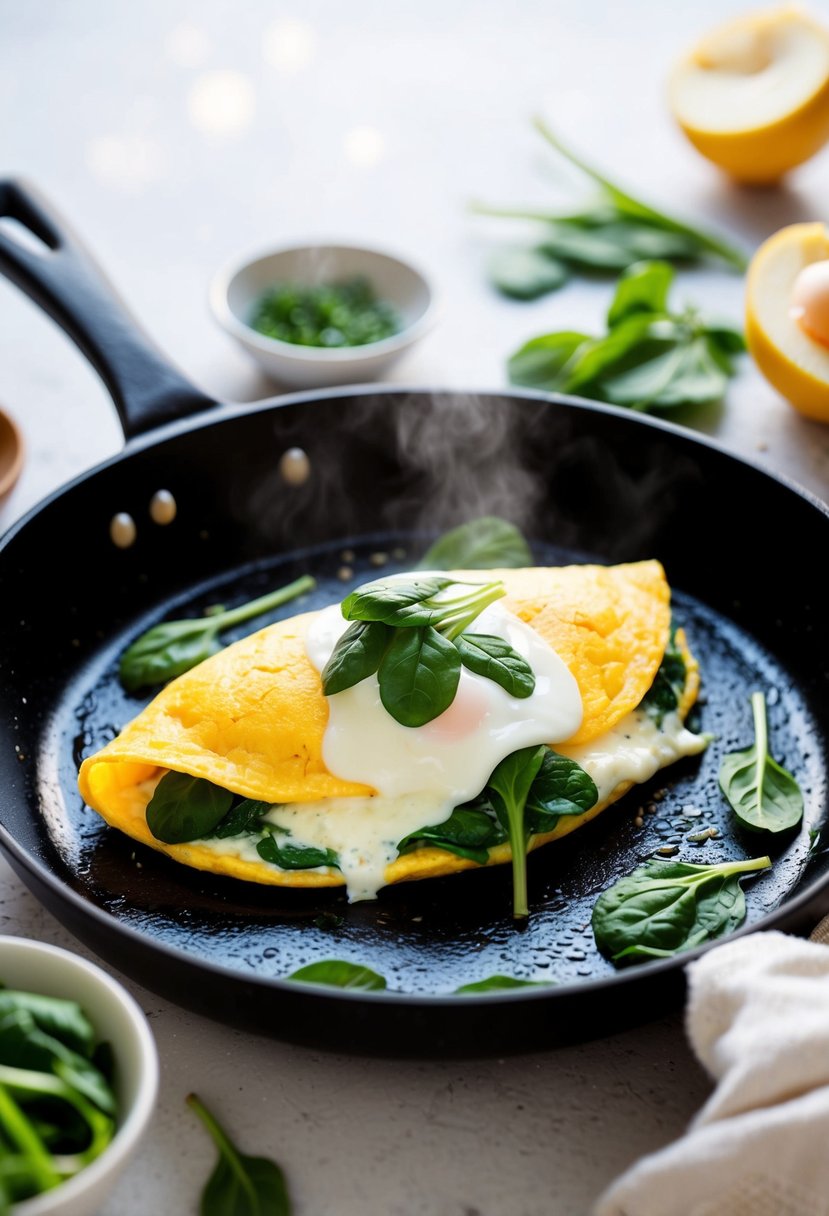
228, 411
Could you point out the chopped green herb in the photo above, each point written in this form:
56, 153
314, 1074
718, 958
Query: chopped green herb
325, 314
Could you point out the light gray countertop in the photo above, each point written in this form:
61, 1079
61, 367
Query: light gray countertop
174, 135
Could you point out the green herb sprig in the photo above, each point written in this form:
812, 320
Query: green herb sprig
412, 634
665, 907
239, 1185
763, 795
614, 233
169, 649
650, 358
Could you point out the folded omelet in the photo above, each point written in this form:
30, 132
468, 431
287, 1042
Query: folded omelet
252, 719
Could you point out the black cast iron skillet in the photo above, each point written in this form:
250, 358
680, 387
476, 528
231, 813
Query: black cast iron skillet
744, 551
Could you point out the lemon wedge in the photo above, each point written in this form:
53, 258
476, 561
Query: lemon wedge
753, 95
787, 315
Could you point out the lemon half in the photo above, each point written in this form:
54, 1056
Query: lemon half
753, 95
795, 364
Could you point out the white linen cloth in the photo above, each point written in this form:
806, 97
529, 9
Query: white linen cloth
758, 1019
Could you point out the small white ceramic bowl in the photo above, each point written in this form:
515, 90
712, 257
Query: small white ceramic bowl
236, 290
31, 966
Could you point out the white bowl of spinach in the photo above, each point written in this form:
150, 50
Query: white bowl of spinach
314, 315
78, 1080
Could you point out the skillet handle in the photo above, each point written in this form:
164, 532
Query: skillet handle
64, 280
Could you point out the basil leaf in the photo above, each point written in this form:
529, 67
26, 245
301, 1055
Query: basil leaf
337, 973
295, 856
643, 288
239, 1185
487, 543
356, 656
418, 676
186, 808
167, 651
469, 832
664, 694
688, 374
561, 787
525, 273
730, 341
170, 649
763, 795
509, 786
402, 603
494, 658
495, 983
665, 907
245, 817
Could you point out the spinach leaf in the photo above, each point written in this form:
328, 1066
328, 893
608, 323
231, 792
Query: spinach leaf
470, 832
664, 694
63, 1020
295, 856
509, 787
239, 1185
418, 676
418, 667
543, 362
170, 649
24, 1045
243, 818
763, 795
665, 907
496, 983
609, 236
186, 808
632, 208
560, 787
338, 973
356, 656
649, 358
525, 273
493, 657
486, 543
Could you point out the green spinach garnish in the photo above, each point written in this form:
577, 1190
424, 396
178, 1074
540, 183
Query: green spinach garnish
763, 795
665, 907
650, 357
338, 973
295, 856
170, 649
185, 808
57, 1105
411, 632
486, 543
664, 694
239, 1185
614, 233
557, 786
499, 983
470, 832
